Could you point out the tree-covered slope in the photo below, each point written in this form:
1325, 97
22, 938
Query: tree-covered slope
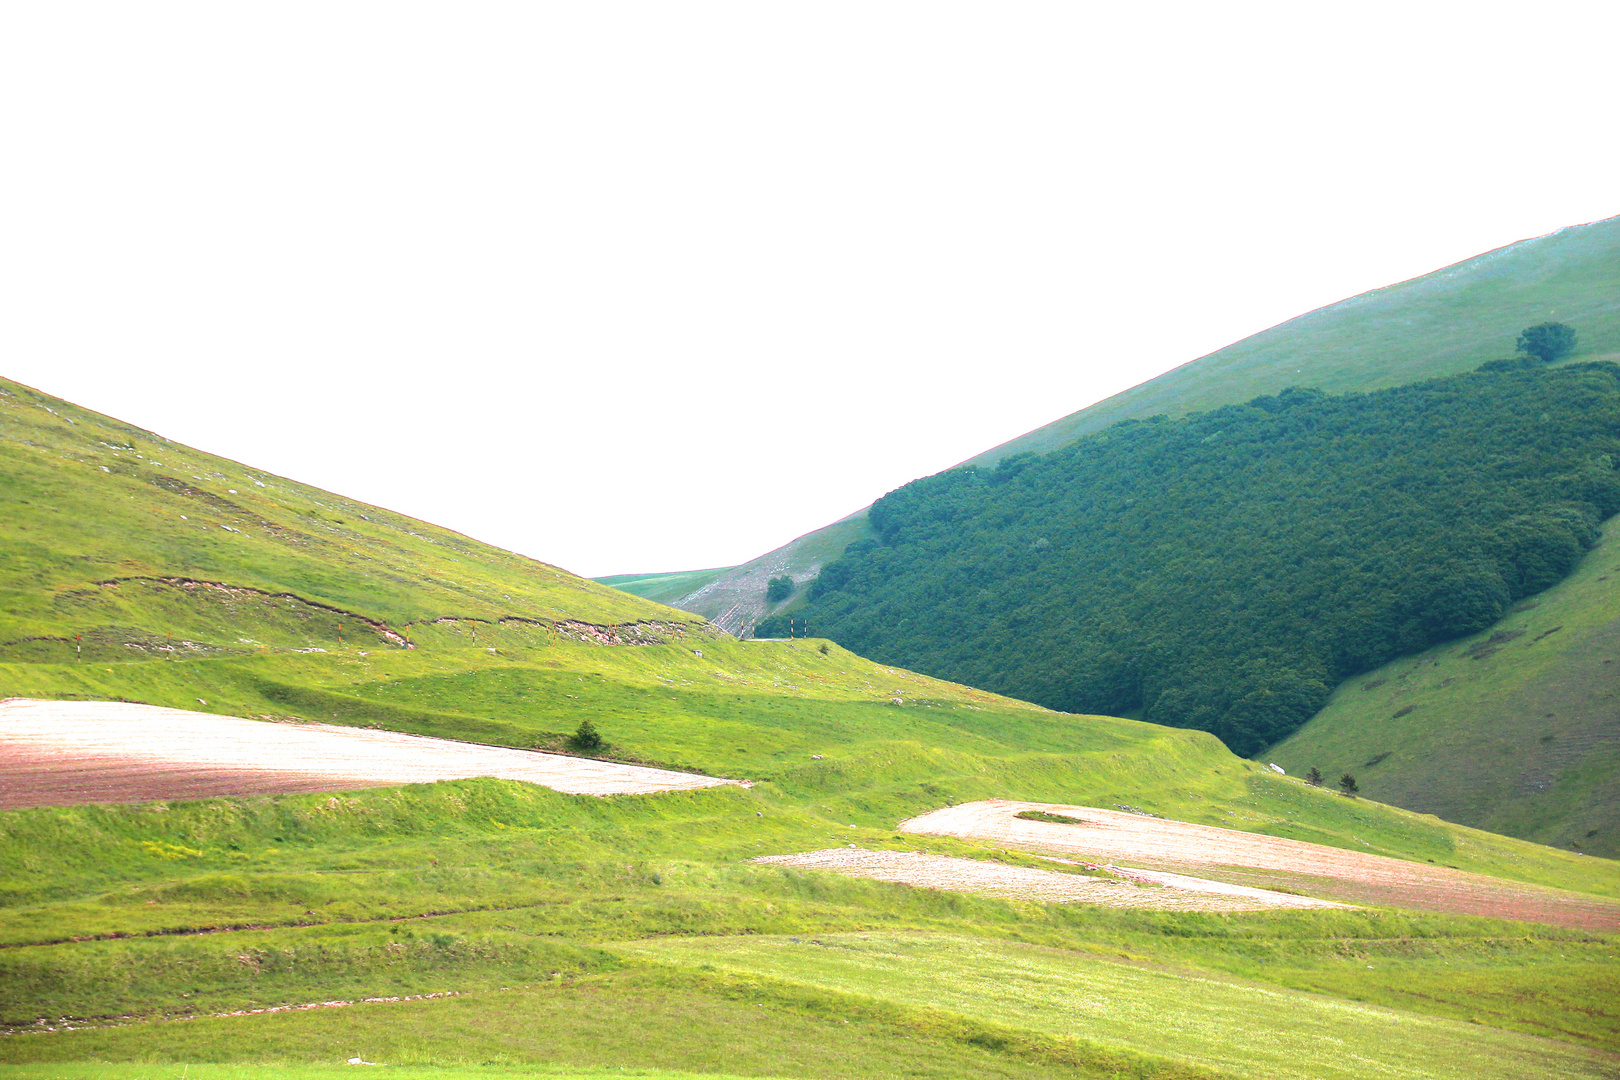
1225, 570
1442, 323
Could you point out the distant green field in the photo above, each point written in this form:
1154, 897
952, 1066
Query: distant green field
663, 588
1516, 729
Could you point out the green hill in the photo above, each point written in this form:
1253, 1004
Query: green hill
481, 926
1440, 324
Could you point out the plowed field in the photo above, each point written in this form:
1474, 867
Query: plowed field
62, 753
1252, 858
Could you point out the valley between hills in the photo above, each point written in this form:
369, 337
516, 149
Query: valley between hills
293, 782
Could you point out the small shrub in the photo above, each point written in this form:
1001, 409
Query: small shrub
1314, 777
586, 738
778, 589
1347, 784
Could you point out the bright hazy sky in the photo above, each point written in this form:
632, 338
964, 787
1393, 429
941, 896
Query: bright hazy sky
657, 286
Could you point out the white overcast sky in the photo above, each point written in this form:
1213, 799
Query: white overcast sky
658, 286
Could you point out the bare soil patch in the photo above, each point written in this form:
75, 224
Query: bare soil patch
1133, 888
1211, 852
62, 753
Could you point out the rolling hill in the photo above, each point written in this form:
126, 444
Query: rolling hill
485, 927
1443, 323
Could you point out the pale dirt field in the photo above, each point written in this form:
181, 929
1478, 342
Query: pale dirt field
1179, 893
62, 753
1179, 846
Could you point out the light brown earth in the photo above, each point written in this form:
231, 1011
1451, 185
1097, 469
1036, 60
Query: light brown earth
63, 753
1138, 889
1227, 854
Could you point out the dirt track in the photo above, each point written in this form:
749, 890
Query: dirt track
62, 753
1350, 876
1046, 886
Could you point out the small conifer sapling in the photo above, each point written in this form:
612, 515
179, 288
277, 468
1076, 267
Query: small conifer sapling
586, 738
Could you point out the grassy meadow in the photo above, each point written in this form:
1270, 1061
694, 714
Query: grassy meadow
520, 931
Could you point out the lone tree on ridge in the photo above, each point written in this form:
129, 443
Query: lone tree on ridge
1314, 777
1347, 784
1548, 341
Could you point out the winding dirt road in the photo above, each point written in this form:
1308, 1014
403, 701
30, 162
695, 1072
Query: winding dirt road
64, 753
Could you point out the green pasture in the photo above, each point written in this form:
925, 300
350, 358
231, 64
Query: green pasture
1202, 1019
289, 1071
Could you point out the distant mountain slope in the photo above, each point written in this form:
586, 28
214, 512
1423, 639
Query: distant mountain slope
1443, 323
1515, 730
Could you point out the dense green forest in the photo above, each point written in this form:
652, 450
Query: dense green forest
1223, 571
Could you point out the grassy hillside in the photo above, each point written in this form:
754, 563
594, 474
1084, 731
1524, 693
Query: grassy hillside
109, 528
1440, 324
499, 927
1516, 729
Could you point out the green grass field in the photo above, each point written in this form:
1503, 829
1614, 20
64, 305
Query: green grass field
529, 932
1516, 729
1145, 1008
